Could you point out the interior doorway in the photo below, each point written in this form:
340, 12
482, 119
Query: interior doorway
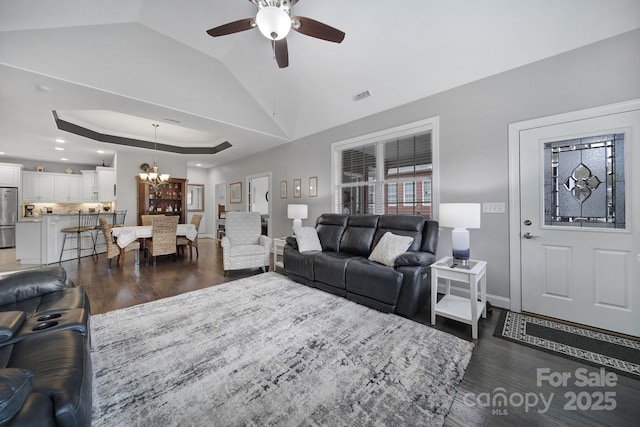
259, 198
220, 197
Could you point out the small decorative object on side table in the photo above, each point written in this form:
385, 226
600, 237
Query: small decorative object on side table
278, 249
466, 310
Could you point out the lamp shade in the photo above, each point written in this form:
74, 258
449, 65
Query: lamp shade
297, 211
459, 215
274, 23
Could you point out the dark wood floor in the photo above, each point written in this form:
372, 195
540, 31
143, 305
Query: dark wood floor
497, 367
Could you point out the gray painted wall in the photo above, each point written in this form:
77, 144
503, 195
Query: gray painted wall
128, 167
474, 119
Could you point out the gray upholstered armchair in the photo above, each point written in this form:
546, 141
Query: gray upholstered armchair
244, 246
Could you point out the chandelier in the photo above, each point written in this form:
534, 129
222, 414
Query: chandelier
151, 176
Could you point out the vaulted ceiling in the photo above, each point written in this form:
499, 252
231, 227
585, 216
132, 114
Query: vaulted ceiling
114, 67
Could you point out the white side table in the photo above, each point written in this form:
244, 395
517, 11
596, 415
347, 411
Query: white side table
467, 310
278, 249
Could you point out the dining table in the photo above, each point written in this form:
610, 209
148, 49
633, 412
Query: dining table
127, 234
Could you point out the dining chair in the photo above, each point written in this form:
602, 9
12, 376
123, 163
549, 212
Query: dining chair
87, 223
118, 218
147, 219
182, 241
163, 237
113, 249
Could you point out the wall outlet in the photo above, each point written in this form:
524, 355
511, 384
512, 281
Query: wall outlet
494, 207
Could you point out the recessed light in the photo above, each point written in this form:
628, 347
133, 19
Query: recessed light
198, 164
60, 141
59, 148
101, 151
64, 159
1, 153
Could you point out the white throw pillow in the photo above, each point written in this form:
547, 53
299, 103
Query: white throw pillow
307, 238
389, 247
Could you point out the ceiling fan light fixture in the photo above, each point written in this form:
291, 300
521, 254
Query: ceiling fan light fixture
273, 22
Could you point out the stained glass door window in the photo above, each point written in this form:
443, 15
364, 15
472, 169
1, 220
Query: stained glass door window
584, 182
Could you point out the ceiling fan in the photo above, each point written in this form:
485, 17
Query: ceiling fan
274, 21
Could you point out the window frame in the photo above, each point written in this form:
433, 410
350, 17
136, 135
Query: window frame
427, 183
411, 202
394, 185
378, 139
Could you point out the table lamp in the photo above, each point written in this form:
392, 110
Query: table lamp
460, 216
297, 213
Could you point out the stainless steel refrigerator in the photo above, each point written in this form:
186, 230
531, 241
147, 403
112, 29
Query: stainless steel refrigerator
8, 216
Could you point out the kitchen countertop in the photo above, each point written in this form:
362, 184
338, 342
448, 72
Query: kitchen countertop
30, 219
40, 217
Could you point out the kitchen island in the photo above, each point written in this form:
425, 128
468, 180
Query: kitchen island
39, 238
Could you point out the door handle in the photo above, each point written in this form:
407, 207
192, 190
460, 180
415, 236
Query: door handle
528, 235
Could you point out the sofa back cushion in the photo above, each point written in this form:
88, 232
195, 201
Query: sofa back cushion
430, 237
402, 225
330, 229
358, 237
31, 283
243, 228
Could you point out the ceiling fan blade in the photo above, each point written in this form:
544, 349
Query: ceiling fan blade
311, 27
232, 27
282, 52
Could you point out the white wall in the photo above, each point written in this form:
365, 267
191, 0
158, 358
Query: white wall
128, 168
473, 138
259, 189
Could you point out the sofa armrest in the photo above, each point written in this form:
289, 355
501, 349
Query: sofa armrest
37, 411
415, 258
15, 387
293, 242
265, 241
10, 322
32, 283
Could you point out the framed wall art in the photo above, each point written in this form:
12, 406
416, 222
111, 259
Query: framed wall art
313, 186
235, 192
283, 189
297, 188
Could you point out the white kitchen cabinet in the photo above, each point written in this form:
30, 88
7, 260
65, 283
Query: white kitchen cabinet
106, 184
37, 187
89, 186
67, 188
10, 175
52, 239
29, 242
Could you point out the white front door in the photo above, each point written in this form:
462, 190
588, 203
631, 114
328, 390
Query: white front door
580, 221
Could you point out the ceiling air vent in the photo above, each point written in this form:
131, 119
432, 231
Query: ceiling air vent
361, 95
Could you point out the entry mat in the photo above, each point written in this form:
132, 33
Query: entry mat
594, 348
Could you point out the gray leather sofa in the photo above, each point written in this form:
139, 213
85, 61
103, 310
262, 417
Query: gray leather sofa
45, 360
343, 267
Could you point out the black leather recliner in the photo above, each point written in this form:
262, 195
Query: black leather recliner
45, 359
343, 267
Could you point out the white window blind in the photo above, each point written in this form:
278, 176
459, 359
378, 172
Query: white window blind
386, 173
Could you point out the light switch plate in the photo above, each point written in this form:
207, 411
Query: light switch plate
494, 207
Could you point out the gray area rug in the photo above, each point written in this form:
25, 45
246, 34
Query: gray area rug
268, 351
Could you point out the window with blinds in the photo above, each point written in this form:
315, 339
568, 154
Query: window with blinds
385, 175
